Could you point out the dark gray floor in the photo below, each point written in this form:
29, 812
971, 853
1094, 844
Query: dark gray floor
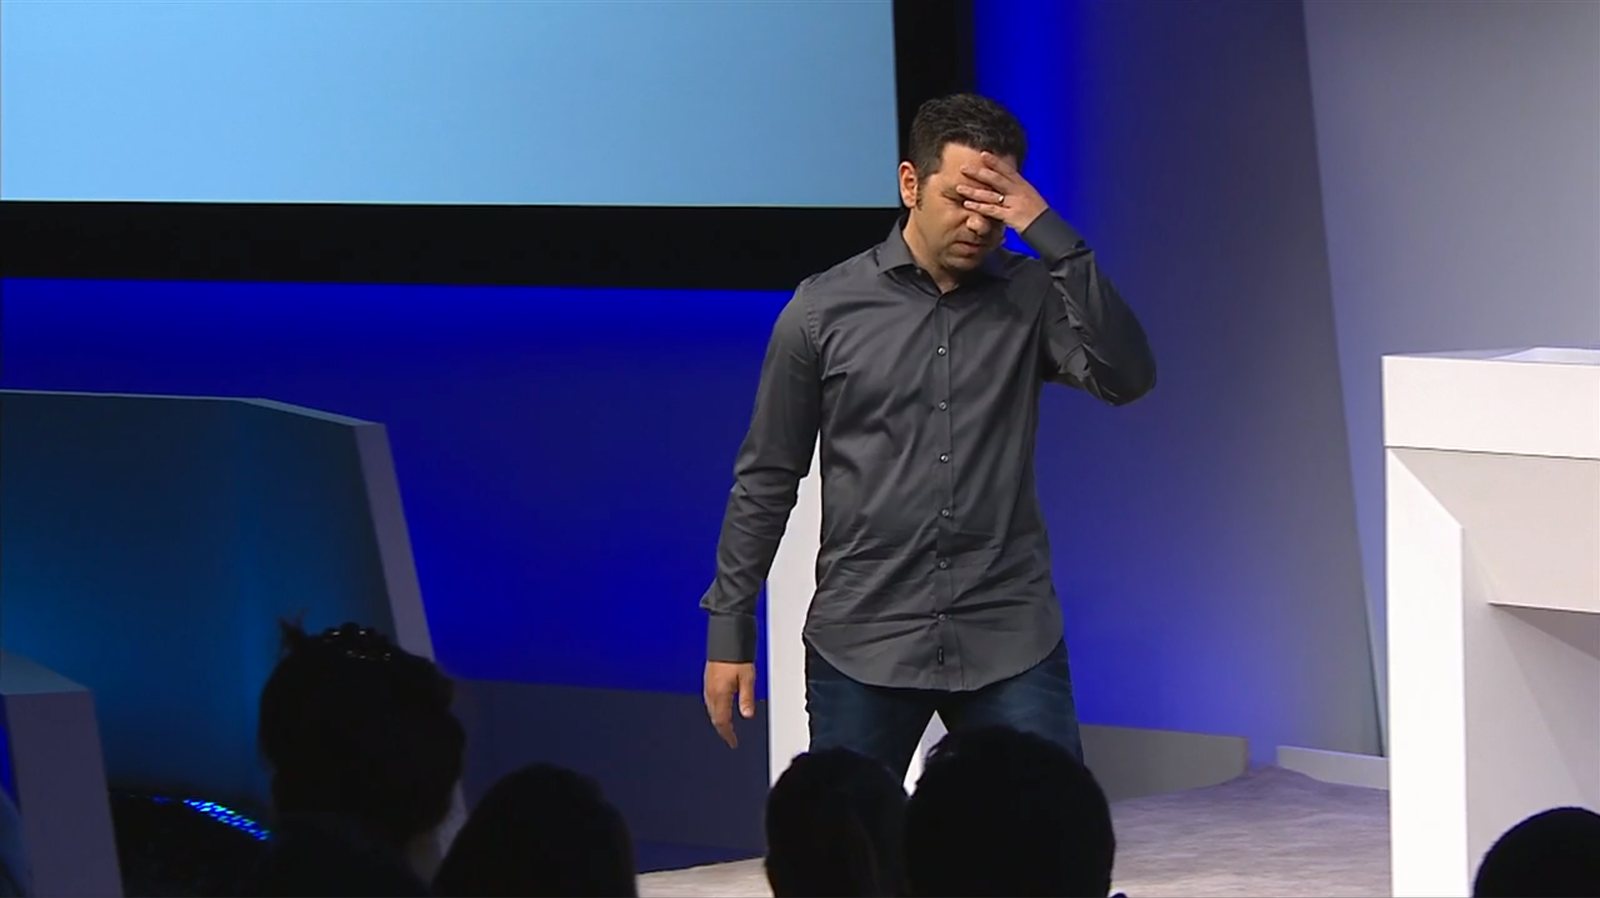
1270, 832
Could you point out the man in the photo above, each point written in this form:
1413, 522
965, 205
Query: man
920, 362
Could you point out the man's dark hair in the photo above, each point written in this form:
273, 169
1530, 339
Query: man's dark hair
966, 119
356, 728
542, 830
1000, 812
1553, 853
836, 826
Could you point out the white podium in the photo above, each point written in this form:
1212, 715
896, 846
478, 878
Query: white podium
1493, 474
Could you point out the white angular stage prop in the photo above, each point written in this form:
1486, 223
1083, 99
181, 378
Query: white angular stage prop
1493, 475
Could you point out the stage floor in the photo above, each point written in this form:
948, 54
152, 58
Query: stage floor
1269, 832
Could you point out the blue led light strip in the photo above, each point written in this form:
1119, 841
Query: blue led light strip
222, 814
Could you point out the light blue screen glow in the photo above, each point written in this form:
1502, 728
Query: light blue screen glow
580, 102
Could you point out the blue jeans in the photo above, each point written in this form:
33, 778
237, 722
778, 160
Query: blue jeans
886, 723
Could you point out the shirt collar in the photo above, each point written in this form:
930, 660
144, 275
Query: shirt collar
893, 254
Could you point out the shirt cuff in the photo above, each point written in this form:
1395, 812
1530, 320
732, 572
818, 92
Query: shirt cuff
731, 637
1051, 237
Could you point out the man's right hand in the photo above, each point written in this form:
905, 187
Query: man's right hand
725, 681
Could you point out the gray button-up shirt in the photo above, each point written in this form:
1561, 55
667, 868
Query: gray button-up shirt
934, 571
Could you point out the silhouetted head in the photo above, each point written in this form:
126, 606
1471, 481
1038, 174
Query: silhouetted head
836, 826
1000, 812
542, 830
356, 728
1554, 853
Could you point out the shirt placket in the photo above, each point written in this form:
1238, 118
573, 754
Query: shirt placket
946, 649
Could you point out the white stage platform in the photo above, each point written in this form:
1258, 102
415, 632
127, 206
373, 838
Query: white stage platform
1493, 474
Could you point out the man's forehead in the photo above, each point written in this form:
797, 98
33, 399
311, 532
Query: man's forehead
948, 177
960, 153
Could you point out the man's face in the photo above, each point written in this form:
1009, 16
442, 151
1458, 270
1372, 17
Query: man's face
954, 237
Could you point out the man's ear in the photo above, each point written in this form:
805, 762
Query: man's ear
908, 185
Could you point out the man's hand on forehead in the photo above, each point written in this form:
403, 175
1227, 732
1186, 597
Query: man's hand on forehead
994, 188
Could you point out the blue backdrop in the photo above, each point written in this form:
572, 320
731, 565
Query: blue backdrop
564, 455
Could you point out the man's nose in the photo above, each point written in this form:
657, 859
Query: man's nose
979, 225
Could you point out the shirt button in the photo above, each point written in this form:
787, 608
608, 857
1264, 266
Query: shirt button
943, 405
941, 350
942, 615
944, 563
944, 458
944, 512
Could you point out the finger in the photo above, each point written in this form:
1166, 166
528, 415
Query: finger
979, 194
747, 694
722, 719
719, 709
998, 164
987, 176
989, 210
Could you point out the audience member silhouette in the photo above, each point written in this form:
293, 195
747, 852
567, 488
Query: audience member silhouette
542, 830
168, 848
1551, 854
328, 856
836, 827
365, 754
1001, 812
